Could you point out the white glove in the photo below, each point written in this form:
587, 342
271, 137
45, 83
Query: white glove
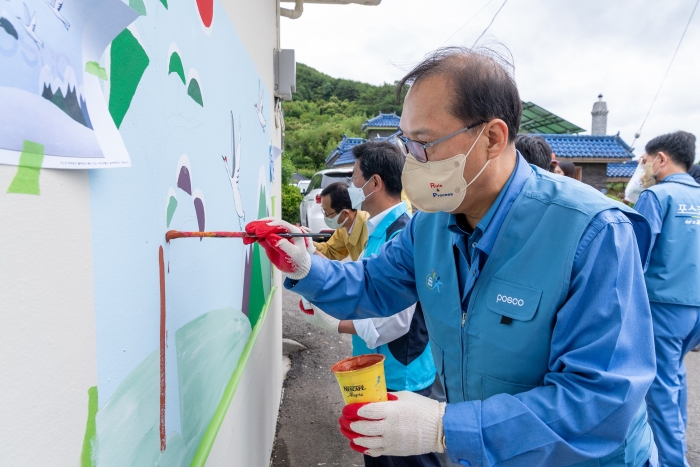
407, 425
319, 318
289, 255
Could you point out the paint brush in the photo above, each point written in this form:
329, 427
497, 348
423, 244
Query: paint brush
173, 234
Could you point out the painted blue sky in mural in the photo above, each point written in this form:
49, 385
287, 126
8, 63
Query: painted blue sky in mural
179, 127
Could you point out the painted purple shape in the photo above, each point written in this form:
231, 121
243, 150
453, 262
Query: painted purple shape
247, 274
184, 182
199, 209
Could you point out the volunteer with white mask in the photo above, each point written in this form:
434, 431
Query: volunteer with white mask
671, 203
545, 359
350, 224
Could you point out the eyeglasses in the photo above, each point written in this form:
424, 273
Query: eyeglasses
418, 148
330, 216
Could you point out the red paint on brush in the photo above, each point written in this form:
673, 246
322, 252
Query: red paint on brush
173, 234
161, 265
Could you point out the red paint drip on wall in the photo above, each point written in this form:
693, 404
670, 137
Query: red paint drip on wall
161, 265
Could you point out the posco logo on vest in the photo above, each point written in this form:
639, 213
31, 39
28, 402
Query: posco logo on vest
510, 300
432, 281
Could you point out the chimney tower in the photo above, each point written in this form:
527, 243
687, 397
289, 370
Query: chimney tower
600, 117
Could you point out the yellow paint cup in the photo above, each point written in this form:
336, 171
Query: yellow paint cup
361, 378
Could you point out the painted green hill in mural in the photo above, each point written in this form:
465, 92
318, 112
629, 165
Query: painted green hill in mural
208, 350
128, 63
175, 66
195, 92
258, 274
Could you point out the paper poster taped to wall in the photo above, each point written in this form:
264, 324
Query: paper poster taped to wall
174, 319
50, 87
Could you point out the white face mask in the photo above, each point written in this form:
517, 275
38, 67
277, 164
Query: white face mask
357, 195
634, 186
332, 222
649, 176
436, 186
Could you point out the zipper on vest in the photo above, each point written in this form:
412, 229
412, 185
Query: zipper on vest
464, 317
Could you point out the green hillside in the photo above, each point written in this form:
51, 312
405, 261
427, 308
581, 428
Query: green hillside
324, 108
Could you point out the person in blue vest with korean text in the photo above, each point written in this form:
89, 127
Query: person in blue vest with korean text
402, 338
545, 358
671, 204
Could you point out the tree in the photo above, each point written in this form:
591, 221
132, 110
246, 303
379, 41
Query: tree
327, 108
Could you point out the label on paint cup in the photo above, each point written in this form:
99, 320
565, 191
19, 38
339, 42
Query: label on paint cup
361, 378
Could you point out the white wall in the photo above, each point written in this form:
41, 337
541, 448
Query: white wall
47, 332
47, 346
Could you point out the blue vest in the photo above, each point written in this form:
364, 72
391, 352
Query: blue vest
409, 361
478, 357
673, 274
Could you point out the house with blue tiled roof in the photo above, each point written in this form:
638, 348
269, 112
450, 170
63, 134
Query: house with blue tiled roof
382, 125
342, 156
592, 154
621, 172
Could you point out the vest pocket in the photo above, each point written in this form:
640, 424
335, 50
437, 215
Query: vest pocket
491, 386
512, 300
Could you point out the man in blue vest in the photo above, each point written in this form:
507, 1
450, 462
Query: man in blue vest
672, 206
403, 337
531, 286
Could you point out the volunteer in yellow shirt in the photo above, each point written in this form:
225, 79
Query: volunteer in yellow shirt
350, 236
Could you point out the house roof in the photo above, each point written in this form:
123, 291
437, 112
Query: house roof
622, 170
342, 154
382, 121
297, 177
589, 146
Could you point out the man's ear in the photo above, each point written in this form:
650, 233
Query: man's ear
663, 158
497, 134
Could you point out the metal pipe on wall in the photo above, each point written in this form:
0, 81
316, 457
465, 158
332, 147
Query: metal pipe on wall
296, 12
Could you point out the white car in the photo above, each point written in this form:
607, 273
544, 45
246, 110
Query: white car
310, 211
303, 185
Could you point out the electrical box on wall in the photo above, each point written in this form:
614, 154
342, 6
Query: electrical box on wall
285, 74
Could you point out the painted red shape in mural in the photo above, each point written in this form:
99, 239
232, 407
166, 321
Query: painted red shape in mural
206, 11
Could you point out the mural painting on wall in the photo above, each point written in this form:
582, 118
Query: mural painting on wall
173, 319
53, 112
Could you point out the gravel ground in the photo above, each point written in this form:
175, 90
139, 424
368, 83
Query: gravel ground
307, 429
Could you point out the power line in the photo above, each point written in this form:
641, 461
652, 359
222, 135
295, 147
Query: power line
639, 132
468, 21
492, 20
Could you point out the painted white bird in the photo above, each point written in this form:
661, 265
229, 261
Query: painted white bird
259, 107
29, 25
234, 175
55, 6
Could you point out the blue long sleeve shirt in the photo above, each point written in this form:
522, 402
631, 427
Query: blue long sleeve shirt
601, 358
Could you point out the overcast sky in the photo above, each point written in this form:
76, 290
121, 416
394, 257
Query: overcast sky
565, 53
